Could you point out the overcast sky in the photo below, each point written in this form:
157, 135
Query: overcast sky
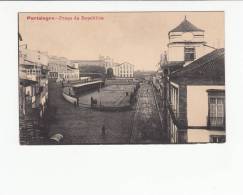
138, 38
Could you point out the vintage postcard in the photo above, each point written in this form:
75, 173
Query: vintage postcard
121, 78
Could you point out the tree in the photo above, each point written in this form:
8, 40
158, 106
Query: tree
94, 71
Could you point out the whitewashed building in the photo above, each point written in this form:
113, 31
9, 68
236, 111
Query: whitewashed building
196, 100
33, 80
60, 68
193, 86
186, 43
123, 70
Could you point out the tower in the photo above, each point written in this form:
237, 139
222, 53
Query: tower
186, 42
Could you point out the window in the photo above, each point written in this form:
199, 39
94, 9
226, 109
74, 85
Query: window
217, 138
216, 110
189, 53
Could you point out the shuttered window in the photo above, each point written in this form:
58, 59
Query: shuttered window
216, 112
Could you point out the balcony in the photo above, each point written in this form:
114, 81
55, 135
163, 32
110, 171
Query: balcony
24, 75
216, 123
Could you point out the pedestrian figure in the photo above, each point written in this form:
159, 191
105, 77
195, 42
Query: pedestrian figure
91, 101
103, 131
77, 101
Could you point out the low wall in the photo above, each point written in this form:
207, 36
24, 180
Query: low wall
120, 82
69, 98
112, 108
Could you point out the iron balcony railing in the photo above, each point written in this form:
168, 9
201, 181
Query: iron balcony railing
216, 122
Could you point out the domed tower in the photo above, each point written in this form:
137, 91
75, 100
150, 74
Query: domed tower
186, 42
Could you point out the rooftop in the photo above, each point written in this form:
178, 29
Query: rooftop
186, 26
117, 64
84, 61
209, 65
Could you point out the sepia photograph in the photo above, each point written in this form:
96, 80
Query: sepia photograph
121, 97
121, 77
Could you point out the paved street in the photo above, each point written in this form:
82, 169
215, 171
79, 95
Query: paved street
146, 125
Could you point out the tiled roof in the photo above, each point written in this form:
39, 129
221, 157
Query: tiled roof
186, 26
211, 63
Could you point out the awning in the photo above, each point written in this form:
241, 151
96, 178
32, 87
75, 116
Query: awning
26, 82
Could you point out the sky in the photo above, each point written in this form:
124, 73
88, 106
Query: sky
135, 37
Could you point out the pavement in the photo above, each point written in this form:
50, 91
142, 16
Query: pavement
147, 125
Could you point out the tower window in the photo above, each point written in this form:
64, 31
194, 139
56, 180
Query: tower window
189, 53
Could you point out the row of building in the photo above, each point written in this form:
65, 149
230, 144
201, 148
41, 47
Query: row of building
62, 68
120, 70
36, 67
191, 81
33, 94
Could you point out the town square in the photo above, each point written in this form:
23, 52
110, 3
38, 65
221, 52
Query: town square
121, 78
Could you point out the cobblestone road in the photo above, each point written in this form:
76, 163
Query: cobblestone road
146, 124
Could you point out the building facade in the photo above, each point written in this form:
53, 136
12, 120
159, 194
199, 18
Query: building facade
186, 43
61, 68
192, 87
33, 93
123, 70
196, 101
33, 70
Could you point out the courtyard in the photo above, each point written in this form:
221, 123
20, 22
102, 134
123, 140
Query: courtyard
109, 96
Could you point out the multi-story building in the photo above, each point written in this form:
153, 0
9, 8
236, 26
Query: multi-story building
123, 70
107, 62
196, 101
61, 68
57, 67
33, 93
186, 43
193, 88
33, 75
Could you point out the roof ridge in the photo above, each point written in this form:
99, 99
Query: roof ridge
185, 26
221, 52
